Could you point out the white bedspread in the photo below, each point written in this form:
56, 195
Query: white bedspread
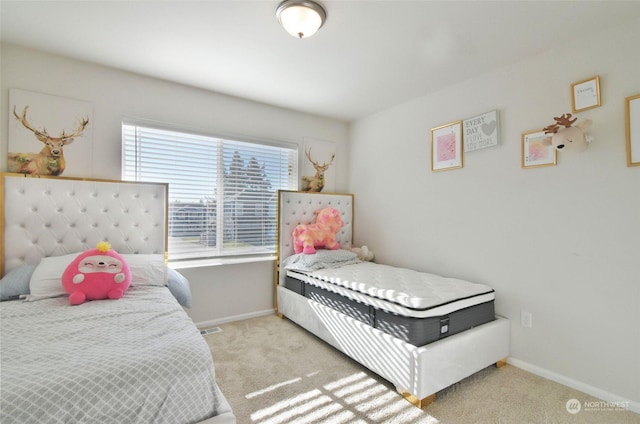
138, 359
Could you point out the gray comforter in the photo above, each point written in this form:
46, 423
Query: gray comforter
138, 359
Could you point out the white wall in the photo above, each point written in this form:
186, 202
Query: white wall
561, 242
220, 292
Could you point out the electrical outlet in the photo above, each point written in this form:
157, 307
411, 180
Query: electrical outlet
526, 319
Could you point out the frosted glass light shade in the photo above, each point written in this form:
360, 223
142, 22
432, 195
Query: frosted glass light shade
301, 18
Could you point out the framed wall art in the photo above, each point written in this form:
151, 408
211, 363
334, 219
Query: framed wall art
481, 131
42, 128
318, 165
632, 113
446, 147
537, 150
585, 94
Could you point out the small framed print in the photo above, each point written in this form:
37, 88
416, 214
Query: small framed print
585, 94
632, 115
481, 131
537, 150
446, 147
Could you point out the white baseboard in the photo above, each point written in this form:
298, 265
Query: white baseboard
241, 317
574, 384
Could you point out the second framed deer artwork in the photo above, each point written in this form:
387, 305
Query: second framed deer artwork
41, 130
318, 165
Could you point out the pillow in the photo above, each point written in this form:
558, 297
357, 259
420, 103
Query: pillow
321, 259
147, 269
178, 285
16, 282
46, 280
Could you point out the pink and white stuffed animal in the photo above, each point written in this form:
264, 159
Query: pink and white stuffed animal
306, 237
99, 273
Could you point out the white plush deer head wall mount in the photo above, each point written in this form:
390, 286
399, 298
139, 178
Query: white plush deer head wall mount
571, 137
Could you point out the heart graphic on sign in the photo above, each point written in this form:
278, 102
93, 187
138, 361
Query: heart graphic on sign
489, 128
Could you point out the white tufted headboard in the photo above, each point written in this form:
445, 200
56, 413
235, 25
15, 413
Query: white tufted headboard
53, 216
297, 207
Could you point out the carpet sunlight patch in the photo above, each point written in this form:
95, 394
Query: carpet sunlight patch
272, 388
285, 411
353, 399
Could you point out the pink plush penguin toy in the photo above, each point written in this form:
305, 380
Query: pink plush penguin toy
100, 273
321, 234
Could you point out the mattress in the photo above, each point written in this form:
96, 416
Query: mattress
416, 307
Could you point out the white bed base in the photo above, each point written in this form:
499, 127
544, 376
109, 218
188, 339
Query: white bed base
53, 216
418, 372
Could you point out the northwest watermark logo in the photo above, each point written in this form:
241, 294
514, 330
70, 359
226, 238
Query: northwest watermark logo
574, 406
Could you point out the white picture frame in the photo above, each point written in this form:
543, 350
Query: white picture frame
481, 131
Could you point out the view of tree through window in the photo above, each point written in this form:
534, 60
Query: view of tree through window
222, 193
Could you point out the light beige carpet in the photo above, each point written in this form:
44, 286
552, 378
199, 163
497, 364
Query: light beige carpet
274, 372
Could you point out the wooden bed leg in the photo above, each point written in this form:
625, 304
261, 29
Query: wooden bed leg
279, 315
501, 363
420, 403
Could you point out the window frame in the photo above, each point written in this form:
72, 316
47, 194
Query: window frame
220, 253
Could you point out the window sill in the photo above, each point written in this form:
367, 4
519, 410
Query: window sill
201, 263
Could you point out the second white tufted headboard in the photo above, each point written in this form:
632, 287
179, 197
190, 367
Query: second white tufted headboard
53, 216
297, 207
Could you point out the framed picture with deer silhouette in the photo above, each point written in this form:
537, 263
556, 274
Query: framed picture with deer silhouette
49, 135
537, 150
446, 147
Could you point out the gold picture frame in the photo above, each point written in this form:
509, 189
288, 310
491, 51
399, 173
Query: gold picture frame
446, 147
632, 118
537, 150
585, 94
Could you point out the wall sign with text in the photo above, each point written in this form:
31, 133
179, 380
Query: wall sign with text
481, 131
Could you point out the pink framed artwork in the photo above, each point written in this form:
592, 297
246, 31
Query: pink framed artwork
537, 150
446, 147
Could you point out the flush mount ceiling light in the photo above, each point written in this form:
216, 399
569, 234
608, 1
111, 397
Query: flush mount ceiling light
301, 18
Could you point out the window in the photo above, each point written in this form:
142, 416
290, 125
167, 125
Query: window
222, 192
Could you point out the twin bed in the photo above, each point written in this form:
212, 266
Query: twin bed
422, 332
138, 359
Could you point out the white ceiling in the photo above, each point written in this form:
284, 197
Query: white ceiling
368, 56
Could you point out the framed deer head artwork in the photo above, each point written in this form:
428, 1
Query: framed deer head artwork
42, 129
318, 169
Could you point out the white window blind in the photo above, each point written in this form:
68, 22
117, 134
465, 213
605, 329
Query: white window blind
222, 192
